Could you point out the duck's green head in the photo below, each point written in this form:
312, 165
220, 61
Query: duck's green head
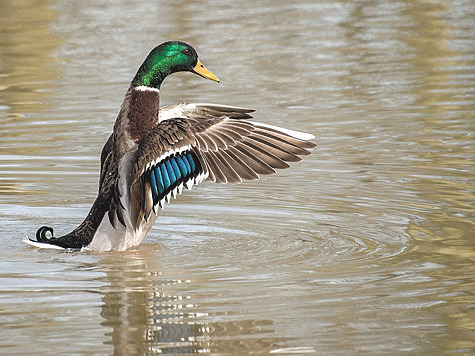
168, 58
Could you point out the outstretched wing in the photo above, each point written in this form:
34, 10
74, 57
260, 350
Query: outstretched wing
200, 145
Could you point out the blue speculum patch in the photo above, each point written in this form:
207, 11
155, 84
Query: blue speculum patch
171, 172
182, 165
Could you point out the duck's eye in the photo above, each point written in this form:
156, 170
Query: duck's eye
186, 52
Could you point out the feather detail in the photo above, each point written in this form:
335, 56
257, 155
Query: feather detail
255, 163
226, 164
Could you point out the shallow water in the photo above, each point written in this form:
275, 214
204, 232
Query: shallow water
367, 246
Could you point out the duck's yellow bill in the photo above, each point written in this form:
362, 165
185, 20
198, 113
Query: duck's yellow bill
201, 70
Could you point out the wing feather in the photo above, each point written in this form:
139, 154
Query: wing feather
287, 151
284, 138
219, 140
226, 164
243, 169
254, 162
265, 153
216, 168
209, 140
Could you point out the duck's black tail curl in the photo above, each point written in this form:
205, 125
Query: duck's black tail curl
45, 235
41, 234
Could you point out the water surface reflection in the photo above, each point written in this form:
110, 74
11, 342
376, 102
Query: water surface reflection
149, 311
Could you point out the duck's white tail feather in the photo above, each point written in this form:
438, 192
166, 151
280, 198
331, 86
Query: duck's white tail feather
42, 244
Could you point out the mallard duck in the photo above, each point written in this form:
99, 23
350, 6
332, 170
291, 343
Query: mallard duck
153, 153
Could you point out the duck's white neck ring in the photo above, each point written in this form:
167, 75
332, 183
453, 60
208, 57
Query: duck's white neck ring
145, 88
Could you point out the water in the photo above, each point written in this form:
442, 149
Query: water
367, 246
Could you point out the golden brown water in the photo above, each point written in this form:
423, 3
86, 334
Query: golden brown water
365, 247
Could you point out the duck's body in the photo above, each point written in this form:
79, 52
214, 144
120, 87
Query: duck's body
153, 153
